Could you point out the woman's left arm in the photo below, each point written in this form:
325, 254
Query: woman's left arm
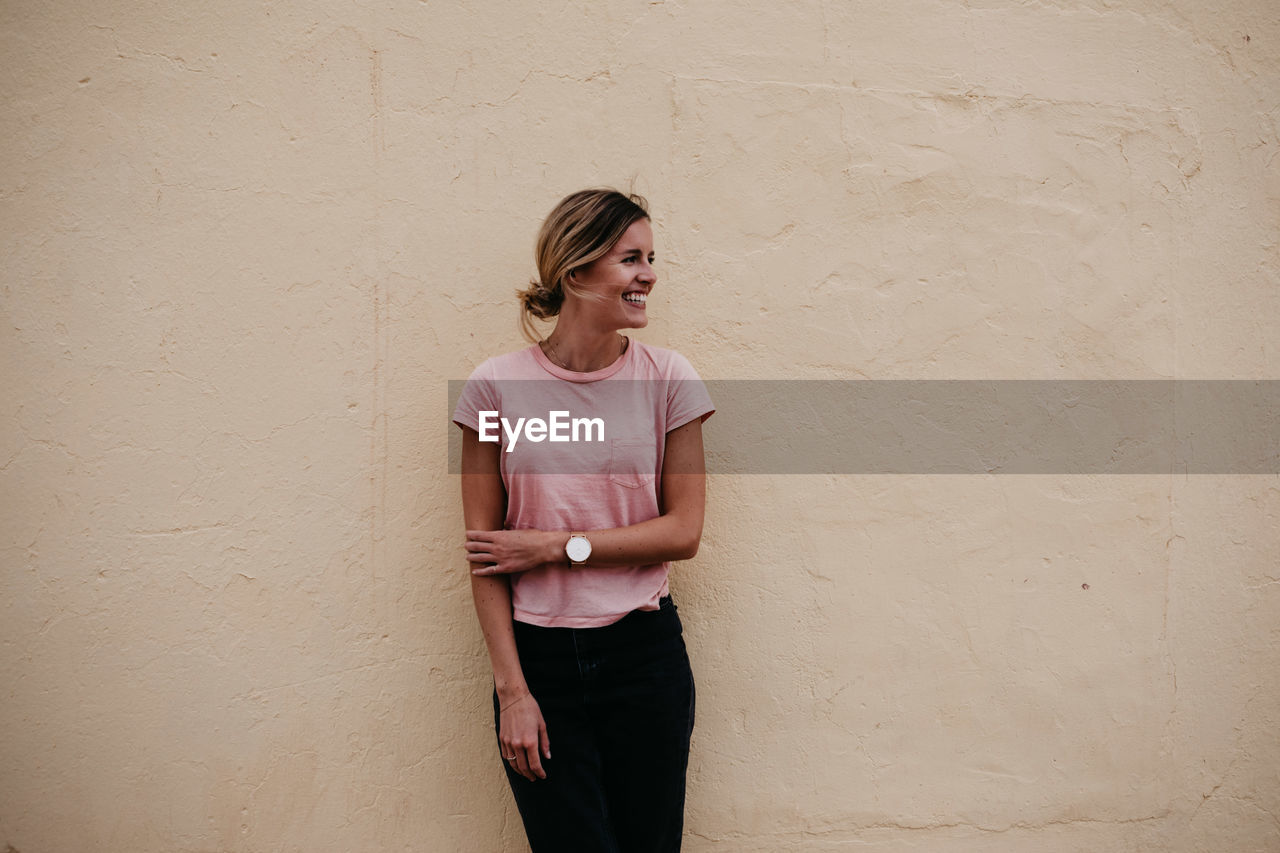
673, 535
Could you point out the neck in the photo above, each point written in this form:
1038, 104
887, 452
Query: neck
583, 351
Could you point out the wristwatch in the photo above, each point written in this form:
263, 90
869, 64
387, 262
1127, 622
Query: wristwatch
577, 549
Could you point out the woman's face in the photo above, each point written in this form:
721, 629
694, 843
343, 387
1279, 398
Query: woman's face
620, 281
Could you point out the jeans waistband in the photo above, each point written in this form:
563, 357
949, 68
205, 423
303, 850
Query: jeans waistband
638, 626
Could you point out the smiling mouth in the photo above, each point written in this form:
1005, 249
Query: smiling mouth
635, 298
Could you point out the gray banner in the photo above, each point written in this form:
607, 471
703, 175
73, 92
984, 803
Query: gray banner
976, 426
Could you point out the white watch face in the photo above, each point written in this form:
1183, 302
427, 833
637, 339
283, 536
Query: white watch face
578, 548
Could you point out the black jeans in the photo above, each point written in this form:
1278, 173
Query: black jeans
618, 703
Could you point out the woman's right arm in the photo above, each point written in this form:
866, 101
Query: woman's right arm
522, 731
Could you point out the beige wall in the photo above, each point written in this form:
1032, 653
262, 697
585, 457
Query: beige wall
245, 245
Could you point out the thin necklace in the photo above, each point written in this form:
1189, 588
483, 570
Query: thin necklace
555, 356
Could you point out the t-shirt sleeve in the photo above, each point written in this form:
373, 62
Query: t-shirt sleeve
687, 396
480, 394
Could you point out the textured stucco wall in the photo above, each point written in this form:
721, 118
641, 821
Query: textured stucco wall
245, 245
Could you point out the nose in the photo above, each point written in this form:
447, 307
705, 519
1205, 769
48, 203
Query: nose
647, 272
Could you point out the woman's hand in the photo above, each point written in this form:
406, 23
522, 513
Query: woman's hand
511, 551
522, 735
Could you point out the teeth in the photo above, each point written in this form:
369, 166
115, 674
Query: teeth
637, 298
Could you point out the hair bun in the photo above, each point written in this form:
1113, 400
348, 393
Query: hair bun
541, 301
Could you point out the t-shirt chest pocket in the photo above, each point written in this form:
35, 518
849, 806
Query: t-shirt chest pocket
632, 462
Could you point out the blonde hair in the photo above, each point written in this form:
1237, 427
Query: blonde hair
582, 228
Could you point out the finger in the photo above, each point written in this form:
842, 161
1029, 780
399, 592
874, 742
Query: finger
494, 569
482, 557
544, 741
480, 535
522, 765
535, 763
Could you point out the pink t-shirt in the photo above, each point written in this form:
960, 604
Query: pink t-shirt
596, 465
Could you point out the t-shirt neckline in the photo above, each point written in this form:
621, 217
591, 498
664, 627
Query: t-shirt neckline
573, 375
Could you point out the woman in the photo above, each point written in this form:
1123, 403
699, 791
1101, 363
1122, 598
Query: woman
571, 540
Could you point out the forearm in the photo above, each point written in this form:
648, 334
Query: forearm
484, 504
658, 540
492, 597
